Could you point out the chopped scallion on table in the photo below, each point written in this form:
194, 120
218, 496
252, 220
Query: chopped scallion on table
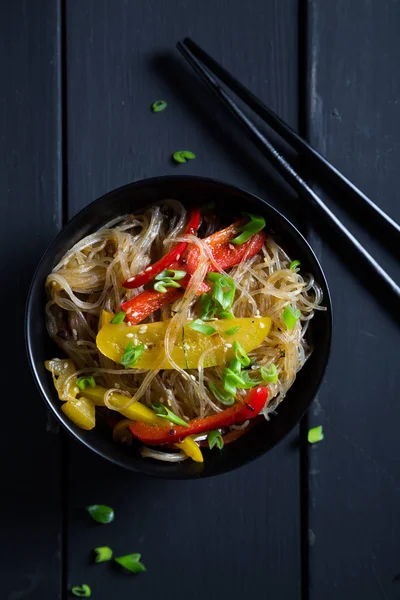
315, 434
131, 562
182, 156
159, 105
101, 513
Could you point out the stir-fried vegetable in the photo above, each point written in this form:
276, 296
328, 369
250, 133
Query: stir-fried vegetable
112, 341
254, 225
240, 412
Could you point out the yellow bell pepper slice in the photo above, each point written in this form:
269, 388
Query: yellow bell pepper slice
112, 341
189, 447
135, 412
61, 369
81, 412
106, 317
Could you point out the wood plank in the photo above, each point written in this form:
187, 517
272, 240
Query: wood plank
238, 534
354, 488
31, 515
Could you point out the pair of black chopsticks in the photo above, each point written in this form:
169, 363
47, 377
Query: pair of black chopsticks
208, 68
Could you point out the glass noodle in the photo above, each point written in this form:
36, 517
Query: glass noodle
88, 279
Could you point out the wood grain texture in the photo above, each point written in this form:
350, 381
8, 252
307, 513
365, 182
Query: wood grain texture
354, 96
237, 535
30, 520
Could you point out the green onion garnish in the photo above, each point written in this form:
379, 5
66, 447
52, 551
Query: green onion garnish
231, 378
235, 366
164, 412
159, 105
232, 330
241, 354
270, 373
255, 224
290, 316
118, 318
161, 286
294, 264
82, 591
101, 513
223, 397
214, 438
85, 381
315, 434
226, 314
224, 290
199, 325
131, 562
131, 355
170, 274
182, 156
103, 554
247, 381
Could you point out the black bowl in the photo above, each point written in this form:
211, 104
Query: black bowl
229, 200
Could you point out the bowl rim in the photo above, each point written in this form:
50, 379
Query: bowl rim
81, 215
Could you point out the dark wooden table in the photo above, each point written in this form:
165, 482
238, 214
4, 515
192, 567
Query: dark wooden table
78, 77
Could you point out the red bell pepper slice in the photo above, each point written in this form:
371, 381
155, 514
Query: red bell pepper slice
240, 412
166, 261
225, 254
142, 305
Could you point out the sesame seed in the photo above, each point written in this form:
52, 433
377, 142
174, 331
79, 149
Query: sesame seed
228, 345
193, 377
178, 257
143, 328
148, 269
76, 390
231, 247
65, 365
258, 316
262, 325
78, 403
129, 335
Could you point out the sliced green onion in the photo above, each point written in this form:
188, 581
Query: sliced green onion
294, 264
103, 554
223, 397
241, 354
247, 381
199, 325
232, 330
131, 562
315, 434
255, 224
164, 412
85, 381
161, 286
208, 309
171, 274
270, 373
231, 379
226, 314
101, 513
131, 355
82, 591
214, 438
159, 105
182, 156
290, 316
224, 290
235, 366
118, 318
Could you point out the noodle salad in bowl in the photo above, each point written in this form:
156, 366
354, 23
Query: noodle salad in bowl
181, 332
